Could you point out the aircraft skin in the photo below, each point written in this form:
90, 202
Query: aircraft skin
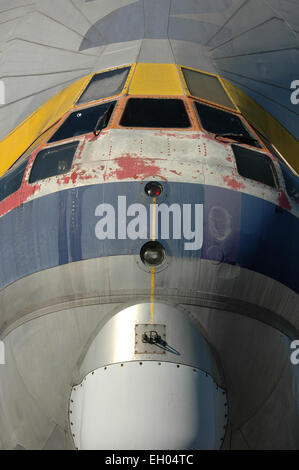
99, 341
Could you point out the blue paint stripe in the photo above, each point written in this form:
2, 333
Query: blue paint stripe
269, 241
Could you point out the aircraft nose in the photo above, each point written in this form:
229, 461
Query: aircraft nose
157, 390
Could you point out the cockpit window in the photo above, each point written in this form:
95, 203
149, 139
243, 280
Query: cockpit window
53, 161
12, 179
291, 182
254, 165
225, 124
155, 112
207, 87
104, 84
84, 121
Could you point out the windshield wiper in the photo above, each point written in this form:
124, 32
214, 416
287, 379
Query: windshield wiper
106, 115
243, 139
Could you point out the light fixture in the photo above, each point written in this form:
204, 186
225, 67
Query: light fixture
152, 253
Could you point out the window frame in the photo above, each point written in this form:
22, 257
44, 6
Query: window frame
111, 122
114, 97
25, 158
205, 101
276, 179
49, 147
226, 139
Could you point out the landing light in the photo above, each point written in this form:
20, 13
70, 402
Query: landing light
152, 253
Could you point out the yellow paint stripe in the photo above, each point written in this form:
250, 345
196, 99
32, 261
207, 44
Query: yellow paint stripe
264, 122
156, 79
221, 80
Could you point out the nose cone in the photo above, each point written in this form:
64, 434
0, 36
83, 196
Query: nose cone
148, 405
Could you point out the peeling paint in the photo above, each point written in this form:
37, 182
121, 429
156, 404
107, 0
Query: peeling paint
283, 201
233, 183
66, 179
132, 166
177, 172
79, 154
118, 155
18, 198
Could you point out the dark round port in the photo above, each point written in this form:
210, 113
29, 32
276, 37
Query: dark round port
153, 189
152, 253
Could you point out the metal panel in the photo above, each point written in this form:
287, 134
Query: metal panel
35, 382
275, 37
191, 54
152, 331
255, 403
156, 50
117, 54
237, 290
184, 344
125, 23
156, 18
